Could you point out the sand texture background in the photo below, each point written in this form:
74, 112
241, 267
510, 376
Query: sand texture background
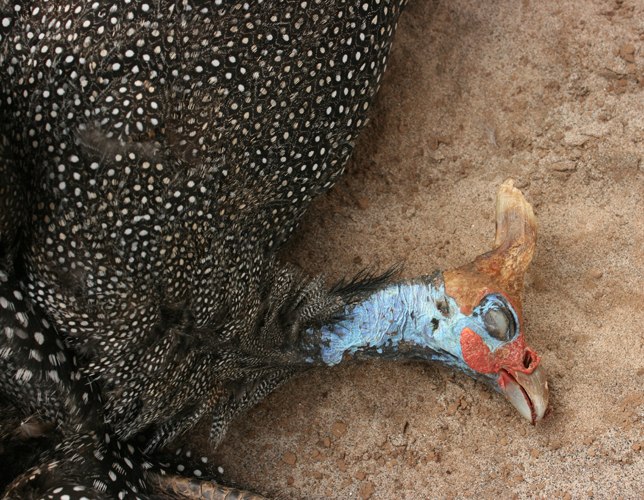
551, 94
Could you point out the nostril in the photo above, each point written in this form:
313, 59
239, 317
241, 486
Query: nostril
527, 359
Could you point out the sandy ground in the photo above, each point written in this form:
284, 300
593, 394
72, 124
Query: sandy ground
551, 94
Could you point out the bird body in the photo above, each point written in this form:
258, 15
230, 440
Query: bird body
156, 158
166, 152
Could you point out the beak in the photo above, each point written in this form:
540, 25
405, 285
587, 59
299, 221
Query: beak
528, 392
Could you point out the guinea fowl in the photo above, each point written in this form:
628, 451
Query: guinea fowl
155, 158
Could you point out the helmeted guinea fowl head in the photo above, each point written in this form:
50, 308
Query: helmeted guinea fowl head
469, 318
488, 292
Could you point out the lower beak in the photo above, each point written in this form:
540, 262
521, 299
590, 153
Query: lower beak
528, 393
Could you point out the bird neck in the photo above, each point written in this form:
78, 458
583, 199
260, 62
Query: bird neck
411, 319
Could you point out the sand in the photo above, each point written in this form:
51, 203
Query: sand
550, 94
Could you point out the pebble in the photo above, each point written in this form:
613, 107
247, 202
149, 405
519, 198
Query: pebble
627, 52
595, 274
345, 483
289, 458
452, 408
366, 491
338, 429
363, 203
535, 453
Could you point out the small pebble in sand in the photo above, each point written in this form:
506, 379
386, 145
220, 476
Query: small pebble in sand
338, 429
363, 203
289, 458
366, 491
627, 51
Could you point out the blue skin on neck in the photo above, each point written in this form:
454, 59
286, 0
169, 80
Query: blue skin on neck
408, 320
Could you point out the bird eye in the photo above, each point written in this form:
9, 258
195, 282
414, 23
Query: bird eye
497, 318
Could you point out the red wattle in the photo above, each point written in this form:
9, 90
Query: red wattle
515, 356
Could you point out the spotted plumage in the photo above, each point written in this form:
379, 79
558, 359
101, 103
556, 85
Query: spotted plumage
156, 157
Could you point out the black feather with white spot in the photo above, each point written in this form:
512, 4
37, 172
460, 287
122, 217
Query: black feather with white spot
158, 155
